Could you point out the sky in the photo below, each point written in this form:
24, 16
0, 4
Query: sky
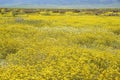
61, 3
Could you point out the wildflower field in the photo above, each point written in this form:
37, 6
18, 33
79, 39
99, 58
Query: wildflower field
69, 46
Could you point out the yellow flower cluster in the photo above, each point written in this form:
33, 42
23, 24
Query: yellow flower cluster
60, 47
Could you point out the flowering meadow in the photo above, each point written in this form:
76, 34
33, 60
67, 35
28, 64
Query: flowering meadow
59, 47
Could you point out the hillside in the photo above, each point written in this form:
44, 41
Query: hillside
61, 3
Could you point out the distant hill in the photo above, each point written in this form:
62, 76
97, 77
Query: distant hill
61, 3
